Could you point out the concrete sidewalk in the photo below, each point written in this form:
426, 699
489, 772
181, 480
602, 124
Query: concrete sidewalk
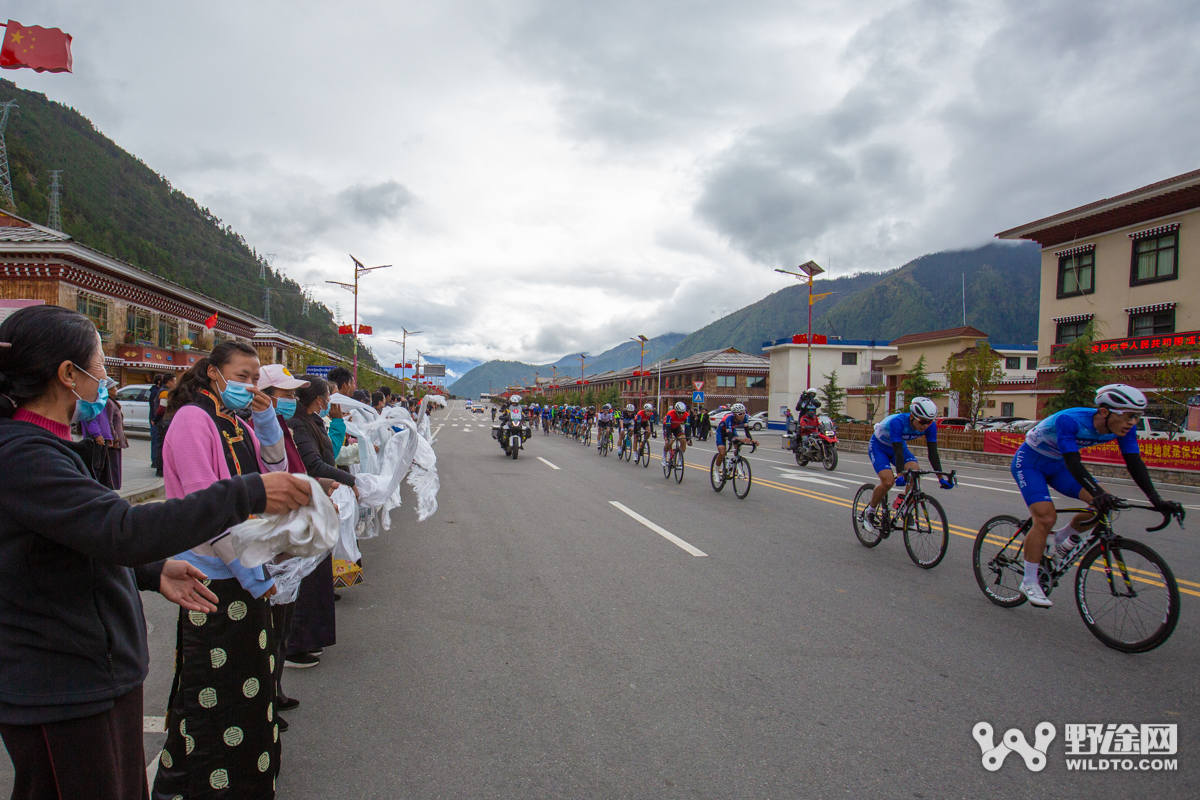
138, 481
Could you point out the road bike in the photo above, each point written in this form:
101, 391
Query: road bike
1125, 592
643, 450
545, 426
626, 444
926, 534
735, 468
587, 434
674, 461
606, 441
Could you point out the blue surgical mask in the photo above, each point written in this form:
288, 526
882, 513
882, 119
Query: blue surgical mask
236, 396
88, 410
285, 407
324, 412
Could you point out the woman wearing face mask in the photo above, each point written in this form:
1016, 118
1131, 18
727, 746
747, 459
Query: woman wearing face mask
314, 626
223, 689
73, 556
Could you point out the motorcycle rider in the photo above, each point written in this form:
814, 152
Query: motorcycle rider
514, 404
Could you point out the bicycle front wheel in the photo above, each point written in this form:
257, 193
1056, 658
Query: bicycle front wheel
1127, 596
645, 454
668, 464
861, 500
741, 478
716, 473
998, 560
628, 451
926, 533
678, 467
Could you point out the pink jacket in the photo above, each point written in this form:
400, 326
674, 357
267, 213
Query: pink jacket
193, 453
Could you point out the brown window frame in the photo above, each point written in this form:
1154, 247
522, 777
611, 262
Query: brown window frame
1164, 325
1134, 280
1064, 263
1058, 330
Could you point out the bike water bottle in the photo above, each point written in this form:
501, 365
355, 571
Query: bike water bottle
899, 500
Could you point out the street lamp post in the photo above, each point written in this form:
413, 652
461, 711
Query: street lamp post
641, 340
660, 366
359, 271
404, 347
810, 269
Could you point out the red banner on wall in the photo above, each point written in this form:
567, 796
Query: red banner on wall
1157, 453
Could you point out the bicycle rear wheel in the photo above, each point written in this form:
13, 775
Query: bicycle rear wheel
998, 561
716, 473
1127, 596
862, 499
926, 534
741, 478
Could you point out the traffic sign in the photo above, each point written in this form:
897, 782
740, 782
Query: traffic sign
697, 397
698, 384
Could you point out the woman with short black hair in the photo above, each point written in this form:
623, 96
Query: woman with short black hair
73, 556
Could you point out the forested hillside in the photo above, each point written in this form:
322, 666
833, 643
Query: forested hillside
926, 294
113, 202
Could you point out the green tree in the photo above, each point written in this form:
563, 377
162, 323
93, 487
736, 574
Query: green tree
1177, 381
875, 396
833, 395
974, 376
917, 382
1084, 371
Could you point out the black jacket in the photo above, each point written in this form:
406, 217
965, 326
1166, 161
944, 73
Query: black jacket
73, 555
317, 453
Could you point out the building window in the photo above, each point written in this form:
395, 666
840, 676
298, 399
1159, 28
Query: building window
94, 309
726, 381
1070, 331
168, 334
1154, 259
756, 382
138, 325
1012, 362
849, 359
1031, 362
1075, 274
1152, 322
1008, 409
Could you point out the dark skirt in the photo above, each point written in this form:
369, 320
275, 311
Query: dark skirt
314, 623
222, 736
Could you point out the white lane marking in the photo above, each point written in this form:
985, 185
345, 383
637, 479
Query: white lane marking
991, 488
547, 463
154, 724
670, 537
801, 475
439, 427
792, 475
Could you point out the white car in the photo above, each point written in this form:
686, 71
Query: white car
134, 401
758, 421
1159, 428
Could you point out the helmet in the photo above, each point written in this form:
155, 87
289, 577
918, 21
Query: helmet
607, 407
591, 408
629, 407
681, 407
923, 408
648, 407
1121, 397
738, 408
516, 398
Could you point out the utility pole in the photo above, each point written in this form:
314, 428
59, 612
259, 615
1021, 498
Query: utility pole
55, 221
404, 347
582, 364
5, 180
359, 271
641, 340
267, 304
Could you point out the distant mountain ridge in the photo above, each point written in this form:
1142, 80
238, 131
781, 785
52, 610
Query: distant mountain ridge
926, 294
495, 375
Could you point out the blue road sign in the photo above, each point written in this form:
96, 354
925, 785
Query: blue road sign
320, 370
697, 397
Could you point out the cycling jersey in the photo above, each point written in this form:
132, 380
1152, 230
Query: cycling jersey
627, 417
1069, 430
899, 428
727, 428
675, 419
643, 418
605, 418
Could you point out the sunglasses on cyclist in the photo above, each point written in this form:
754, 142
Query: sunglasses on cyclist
1132, 416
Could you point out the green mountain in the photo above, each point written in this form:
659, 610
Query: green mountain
113, 202
495, 375
926, 294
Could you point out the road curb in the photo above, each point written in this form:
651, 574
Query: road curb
158, 489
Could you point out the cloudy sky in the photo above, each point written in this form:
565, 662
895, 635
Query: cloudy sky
556, 175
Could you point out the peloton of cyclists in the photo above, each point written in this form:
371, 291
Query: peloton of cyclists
727, 428
1049, 457
673, 428
889, 447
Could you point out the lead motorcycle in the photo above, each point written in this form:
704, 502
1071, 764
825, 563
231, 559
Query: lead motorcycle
818, 444
513, 433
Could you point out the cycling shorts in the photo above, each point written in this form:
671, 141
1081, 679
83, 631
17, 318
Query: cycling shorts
672, 430
881, 455
1035, 472
721, 436
604, 423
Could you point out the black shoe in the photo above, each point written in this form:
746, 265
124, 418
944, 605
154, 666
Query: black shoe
283, 723
336, 597
285, 703
301, 661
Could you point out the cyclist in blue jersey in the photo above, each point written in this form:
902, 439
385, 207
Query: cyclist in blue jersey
1050, 458
727, 428
625, 422
889, 447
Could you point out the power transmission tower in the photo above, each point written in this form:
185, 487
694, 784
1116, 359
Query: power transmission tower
267, 304
55, 222
262, 266
307, 299
5, 180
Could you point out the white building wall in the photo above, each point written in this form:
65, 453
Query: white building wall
789, 369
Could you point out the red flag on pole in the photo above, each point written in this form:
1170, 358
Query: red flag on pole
344, 329
40, 49
211, 322
364, 329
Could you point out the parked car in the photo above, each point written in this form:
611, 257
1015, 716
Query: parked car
953, 423
758, 421
1020, 426
1159, 428
134, 401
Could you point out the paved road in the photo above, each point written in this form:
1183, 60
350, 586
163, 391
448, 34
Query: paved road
534, 640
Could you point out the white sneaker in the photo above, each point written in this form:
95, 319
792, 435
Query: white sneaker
1034, 593
867, 522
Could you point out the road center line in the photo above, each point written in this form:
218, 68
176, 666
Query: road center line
547, 463
670, 537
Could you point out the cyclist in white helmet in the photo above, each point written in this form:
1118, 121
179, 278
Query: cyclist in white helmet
673, 424
889, 449
625, 422
727, 428
1050, 458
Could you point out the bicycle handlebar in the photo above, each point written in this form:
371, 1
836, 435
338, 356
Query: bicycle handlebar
1122, 504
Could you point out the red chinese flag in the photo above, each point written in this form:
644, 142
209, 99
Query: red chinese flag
399, 366
41, 49
364, 329
344, 329
211, 322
